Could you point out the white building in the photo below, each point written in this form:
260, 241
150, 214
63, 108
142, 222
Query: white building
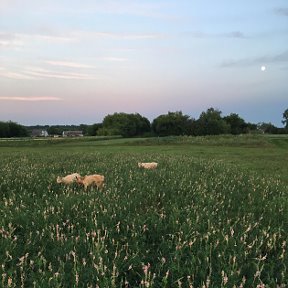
72, 134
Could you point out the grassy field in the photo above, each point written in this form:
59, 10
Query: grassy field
215, 213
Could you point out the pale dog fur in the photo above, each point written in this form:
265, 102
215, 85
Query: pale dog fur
91, 180
150, 165
69, 179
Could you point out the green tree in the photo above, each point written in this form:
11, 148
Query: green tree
285, 118
54, 130
173, 123
107, 131
211, 123
237, 124
12, 129
251, 128
92, 130
4, 130
143, 125
267, 128
84, 128
126, 125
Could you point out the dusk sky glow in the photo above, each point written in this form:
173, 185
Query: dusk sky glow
73, 62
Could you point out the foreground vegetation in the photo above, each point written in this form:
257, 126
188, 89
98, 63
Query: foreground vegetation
208, 217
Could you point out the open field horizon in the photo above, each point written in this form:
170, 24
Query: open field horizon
255, 152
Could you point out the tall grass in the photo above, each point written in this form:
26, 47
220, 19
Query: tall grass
190, 223
245, 140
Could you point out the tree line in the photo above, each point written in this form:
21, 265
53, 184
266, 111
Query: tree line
210, 122
11, 129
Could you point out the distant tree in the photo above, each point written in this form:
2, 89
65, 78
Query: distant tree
192, 127
84, 128
143, 125
107, 132
237, 124
93, 129
211, 123
285, 118
55, 130
17, 130
12, 129
251, 128
173, 123
127, 125
4, 129
267, 128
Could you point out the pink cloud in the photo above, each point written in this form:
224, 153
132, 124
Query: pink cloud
32, 99
68, 64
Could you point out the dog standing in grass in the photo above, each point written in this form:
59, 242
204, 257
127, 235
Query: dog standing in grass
149, 166
69, 179
91, 180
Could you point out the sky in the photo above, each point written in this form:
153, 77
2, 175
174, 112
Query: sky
74, 62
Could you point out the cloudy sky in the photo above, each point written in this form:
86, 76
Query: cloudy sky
72, 61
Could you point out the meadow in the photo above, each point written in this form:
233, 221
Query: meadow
213, 214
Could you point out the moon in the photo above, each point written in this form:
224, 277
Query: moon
263, 68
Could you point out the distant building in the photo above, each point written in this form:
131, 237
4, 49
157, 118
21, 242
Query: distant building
72, 134
39, 133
